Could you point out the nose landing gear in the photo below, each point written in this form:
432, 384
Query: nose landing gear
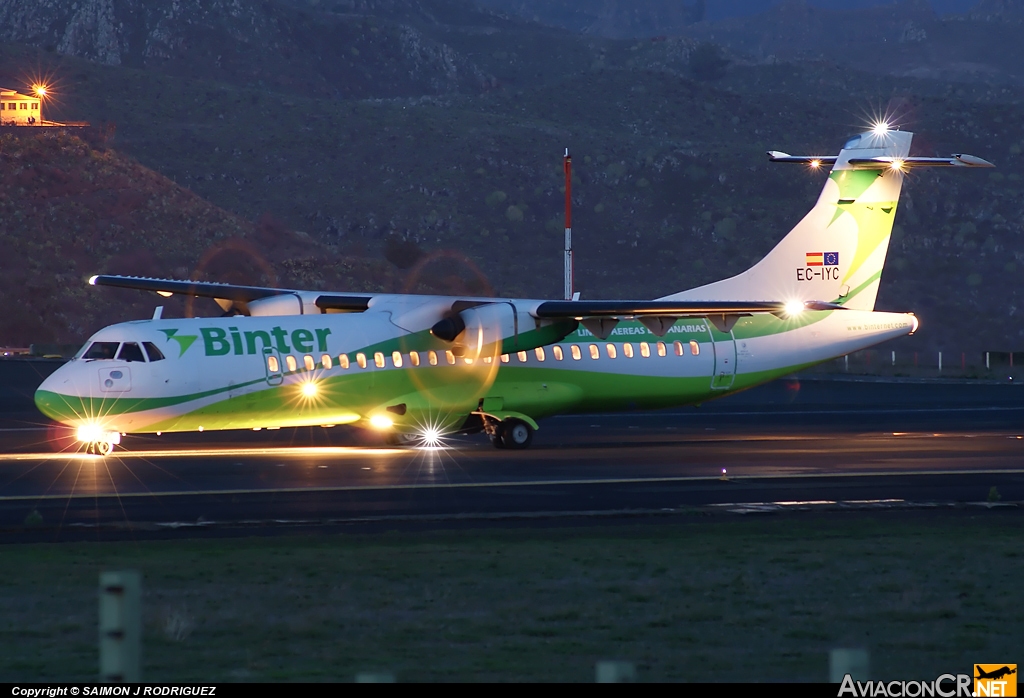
100, 448
98, 442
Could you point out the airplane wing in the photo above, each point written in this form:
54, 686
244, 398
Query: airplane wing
230, 296
601, 317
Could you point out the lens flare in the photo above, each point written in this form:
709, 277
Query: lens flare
794, 308
379, 421
431, 437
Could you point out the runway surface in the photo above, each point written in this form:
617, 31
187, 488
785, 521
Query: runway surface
815, 443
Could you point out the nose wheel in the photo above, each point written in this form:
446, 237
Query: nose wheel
100, 448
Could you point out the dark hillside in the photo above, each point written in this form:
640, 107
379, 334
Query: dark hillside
672, 186
70, 209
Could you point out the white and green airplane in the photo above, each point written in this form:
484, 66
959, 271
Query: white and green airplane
414, 365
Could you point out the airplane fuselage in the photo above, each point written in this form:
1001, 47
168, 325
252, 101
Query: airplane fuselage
363, 368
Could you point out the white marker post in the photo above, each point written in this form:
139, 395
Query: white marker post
121, 627
567, 164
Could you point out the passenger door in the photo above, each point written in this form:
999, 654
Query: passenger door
724, 344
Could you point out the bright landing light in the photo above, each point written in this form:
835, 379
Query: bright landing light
310, 389
379, 421
880, 129
93, 433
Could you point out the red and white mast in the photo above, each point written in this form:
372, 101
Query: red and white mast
568, 226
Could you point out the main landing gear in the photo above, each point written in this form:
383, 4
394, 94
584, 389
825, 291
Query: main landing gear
509, 433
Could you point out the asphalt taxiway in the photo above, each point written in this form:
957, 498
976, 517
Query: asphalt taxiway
811, 443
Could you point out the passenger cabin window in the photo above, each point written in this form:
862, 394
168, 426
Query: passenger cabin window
378, 359
432, 358
610, 348
414, 358
595, 352
539, 351
522, 357
130, 351
678, 346
309, 362
396, 358
645, 349
557, 351
290, 362
326, 361
152, 352
343, 360
272, 364
504, 358
662, 350
361, 360
627, 350
101, 350
450, 358
575, 351
694, 348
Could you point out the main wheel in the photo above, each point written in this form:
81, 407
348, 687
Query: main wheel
515, 433
104, 448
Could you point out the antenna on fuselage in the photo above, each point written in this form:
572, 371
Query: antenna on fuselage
158, 313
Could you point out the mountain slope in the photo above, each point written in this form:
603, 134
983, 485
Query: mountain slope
70, 208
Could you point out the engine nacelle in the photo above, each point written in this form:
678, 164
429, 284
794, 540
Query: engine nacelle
498, 328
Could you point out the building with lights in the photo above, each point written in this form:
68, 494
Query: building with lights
20, 110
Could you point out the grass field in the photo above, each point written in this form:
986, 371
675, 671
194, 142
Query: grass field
695, 599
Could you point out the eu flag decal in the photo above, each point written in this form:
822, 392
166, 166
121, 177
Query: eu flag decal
822, 259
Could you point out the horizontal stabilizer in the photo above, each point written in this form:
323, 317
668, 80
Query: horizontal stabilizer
880, 163
813, 160
905, 163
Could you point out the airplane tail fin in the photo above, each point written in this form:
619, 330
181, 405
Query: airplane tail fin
836, 253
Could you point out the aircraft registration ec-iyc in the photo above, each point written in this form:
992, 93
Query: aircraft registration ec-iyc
419, 365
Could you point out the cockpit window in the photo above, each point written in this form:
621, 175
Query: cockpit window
130, 351
101, 350
154, 353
